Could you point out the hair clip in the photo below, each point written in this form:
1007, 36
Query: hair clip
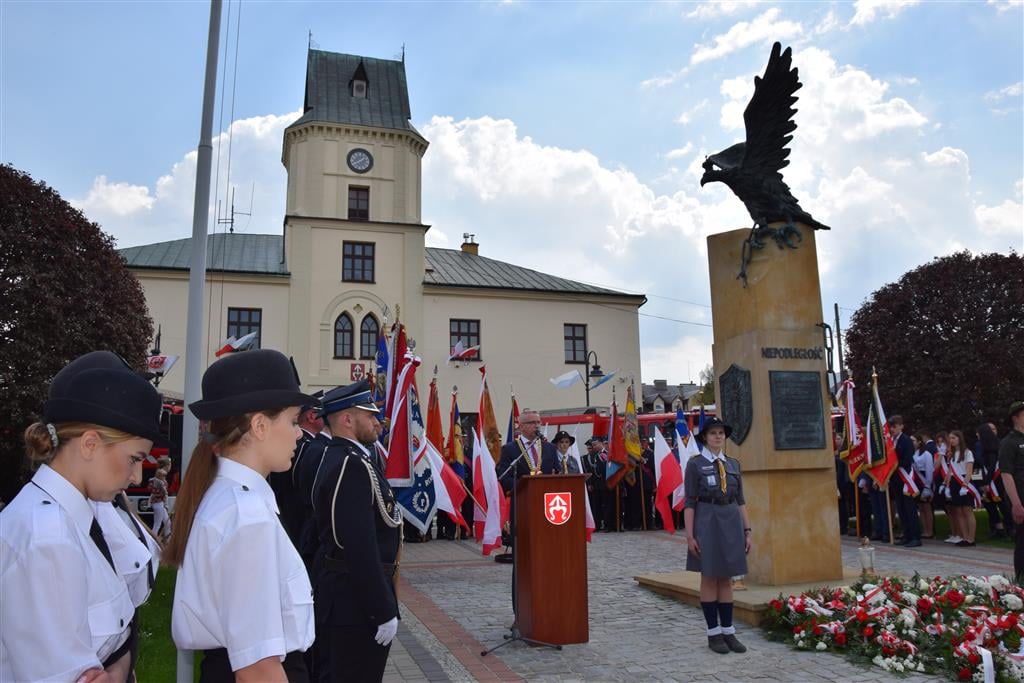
53, 435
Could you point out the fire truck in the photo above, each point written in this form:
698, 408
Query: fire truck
170, 426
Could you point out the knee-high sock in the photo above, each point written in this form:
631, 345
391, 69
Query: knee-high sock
725, 617
711, 617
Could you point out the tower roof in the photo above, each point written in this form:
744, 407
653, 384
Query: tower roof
330, 99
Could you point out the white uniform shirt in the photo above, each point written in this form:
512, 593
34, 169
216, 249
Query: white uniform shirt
961, 467
64, 609
131, 557
242, 585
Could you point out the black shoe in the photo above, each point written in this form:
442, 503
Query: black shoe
717, 644
966, 544
901, 542
912, 544
733, 643
883, 539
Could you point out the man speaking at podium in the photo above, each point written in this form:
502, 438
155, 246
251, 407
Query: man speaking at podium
531, 456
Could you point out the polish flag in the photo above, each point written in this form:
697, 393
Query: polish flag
460, 352
448, 487
669, 476
575, 454
231, 344
487, 520
687, 447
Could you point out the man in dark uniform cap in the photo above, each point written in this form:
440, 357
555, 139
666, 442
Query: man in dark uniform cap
293, 513
360, 528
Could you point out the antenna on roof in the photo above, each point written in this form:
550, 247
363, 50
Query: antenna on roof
403, 53
313, 45
229, 220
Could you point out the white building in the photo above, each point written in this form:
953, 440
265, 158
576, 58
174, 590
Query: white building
352, 254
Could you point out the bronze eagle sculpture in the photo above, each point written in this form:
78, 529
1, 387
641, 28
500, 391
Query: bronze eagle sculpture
752, 169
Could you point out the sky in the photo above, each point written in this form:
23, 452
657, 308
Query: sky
567, 137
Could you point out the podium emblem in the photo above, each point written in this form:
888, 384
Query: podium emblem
558, 507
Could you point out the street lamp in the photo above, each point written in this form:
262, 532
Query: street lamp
591, 372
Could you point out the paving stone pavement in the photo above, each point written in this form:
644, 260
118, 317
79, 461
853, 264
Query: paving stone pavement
456, 602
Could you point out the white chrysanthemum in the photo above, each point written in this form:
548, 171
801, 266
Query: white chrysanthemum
821, 646
1012, 601
999, 582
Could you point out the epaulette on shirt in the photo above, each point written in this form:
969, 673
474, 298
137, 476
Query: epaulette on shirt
46, 521
251, 507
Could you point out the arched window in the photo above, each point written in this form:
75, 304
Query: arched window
343, 337
368, 332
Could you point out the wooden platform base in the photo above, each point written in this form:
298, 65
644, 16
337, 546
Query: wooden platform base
749, 604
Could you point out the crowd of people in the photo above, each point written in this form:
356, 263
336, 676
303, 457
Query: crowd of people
953, 472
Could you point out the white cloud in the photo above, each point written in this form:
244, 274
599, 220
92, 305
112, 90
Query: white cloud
947, 156
828, 24
679, 152
1003, 219
719, 8
138, 214
765, 27
687, 116
118, 199
1005, 5
867, 11
680, 361
1015, 90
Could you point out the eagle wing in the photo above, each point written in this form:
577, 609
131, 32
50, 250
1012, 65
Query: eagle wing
769, 121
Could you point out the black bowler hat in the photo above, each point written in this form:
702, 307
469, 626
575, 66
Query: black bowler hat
248, 382
355, 395
713, 422
101, 389
564, 435
313, 404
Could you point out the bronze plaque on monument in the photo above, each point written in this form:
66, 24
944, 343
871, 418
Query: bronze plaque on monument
797, 411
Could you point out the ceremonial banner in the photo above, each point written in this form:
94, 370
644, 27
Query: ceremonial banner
854, 447
401, 448
881, 453
487, 424
487, 520
453, 451
668, 477
418, 500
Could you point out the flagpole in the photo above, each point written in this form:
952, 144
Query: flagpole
888, 503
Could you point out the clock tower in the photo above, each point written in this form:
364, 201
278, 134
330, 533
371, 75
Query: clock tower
354, 241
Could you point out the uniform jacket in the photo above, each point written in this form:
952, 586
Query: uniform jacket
288, 501
306, 467
348, 515
509, 453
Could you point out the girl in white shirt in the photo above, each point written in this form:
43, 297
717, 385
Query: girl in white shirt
961, 464
66, 610
242, 593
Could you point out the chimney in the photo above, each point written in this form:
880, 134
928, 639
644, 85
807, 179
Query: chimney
661, 384
468, 245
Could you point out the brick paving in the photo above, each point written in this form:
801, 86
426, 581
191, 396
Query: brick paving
456, 603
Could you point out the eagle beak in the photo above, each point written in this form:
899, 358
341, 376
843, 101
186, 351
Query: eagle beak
703, 180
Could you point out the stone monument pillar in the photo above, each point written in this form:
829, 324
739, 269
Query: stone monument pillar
770, 387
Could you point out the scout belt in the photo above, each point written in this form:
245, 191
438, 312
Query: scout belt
717, 501
338, 565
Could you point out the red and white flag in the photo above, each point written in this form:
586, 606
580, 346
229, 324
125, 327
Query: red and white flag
687, 446
461, 352
231, 344
668, 476
448, 486
486, 489
575, 454
401, 448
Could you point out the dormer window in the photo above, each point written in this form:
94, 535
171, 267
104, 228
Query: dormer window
360, 83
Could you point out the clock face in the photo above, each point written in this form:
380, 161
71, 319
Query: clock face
360, 161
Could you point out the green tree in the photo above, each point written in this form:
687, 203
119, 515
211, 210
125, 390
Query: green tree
64, 291
707, 384
946, 340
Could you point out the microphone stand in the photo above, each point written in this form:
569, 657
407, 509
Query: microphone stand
514, 633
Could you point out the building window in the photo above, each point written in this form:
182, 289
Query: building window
368, 332
343, 337
466, 330
243, 321
357, 261
358, 203
575, 343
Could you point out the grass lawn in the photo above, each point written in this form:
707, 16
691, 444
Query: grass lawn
158, 657
981, 536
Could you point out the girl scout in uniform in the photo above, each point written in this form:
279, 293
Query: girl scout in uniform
242, 593
717, 530
66, 609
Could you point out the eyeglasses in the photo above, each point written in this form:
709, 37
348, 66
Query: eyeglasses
530, 422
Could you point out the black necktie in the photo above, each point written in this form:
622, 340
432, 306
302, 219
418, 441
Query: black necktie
142, 539
96, 534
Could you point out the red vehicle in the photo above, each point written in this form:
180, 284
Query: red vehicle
170, 426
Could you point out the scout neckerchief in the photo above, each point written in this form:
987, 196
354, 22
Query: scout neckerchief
719, 461
532, 461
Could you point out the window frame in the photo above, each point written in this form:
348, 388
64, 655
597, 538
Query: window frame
351, 336
248, 325
368, 351
467, 336
360, 210
348, 273
570, 336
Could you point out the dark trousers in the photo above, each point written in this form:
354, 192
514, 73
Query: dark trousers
1018, 553
906, 508
216, 667
355, 655
879, 514
608, 513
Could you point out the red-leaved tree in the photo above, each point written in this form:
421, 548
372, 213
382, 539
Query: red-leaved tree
64, 291
946, 340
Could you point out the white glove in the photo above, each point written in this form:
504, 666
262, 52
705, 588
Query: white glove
386, 632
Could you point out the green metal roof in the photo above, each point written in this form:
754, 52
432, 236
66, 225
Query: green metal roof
238, 253
329, 93
261, 254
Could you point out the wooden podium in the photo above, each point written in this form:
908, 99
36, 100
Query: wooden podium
551, 558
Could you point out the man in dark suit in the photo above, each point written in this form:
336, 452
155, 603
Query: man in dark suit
360, 528
906, 505
524, 456
593, 466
